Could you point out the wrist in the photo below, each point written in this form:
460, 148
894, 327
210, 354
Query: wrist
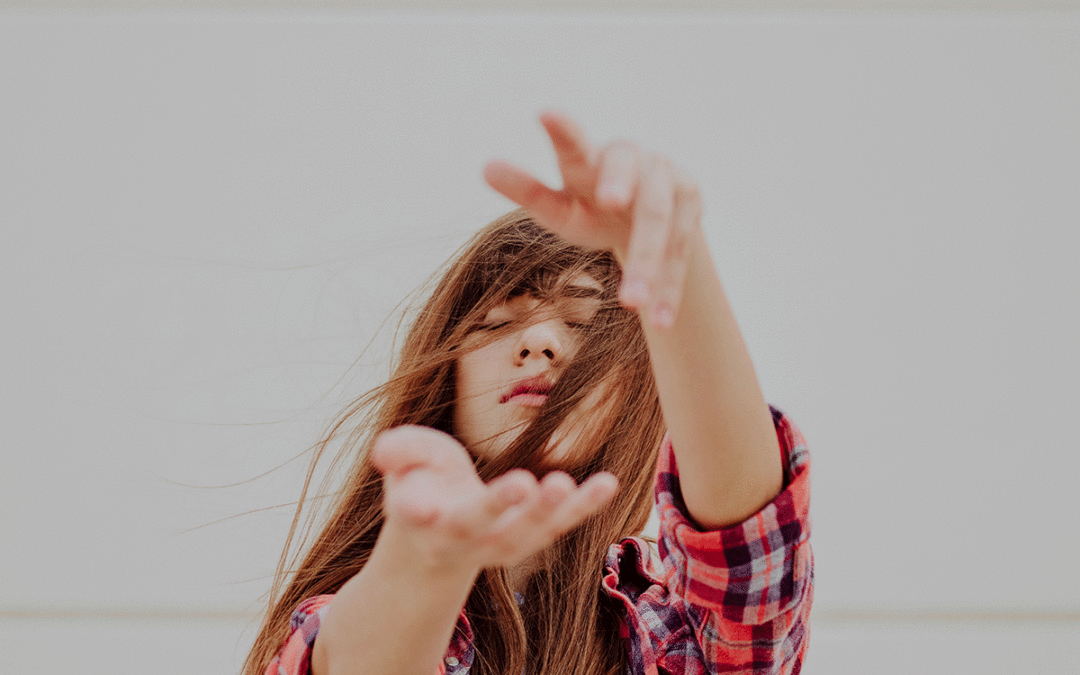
395, 615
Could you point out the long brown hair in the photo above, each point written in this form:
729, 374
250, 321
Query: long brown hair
564, 625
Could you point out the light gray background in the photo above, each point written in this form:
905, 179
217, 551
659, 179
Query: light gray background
206, 217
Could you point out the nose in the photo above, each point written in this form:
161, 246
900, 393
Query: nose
540, 340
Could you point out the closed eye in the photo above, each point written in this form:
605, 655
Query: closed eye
494, 326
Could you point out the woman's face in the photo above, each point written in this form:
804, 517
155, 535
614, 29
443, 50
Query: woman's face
502, 383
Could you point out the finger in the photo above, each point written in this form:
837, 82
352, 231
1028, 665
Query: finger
573, 152
652, 224
509, 489
672, 281
476, 515
561, 506
403, 449
553, 489
544, 520
620, 164
600, 487
546, 205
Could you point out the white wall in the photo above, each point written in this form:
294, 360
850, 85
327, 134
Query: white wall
205, 217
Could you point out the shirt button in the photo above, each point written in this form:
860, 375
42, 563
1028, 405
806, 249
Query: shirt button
452, 661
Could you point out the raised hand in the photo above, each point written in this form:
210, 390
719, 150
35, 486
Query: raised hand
452, 519
617, 198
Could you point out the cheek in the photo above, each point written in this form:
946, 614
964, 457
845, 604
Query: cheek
476, 370
476, 377
464, 389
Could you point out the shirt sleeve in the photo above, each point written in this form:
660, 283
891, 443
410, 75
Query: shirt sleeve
748, 588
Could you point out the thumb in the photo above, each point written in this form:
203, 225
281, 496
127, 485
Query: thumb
395, 452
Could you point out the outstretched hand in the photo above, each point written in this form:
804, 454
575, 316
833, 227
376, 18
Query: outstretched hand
618, 198
453, 520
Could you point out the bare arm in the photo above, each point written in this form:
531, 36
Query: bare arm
720, 425
395, 616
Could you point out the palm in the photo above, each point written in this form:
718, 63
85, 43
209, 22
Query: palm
419, 490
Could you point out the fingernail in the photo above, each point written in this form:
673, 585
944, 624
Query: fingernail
634, 291
664, 315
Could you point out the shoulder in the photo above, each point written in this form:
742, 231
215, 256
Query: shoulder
294, 657
310, 612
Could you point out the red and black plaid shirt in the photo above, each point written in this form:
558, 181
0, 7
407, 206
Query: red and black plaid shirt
735, 600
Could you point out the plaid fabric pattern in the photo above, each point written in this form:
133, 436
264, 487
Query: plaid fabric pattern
295, 656
735, 600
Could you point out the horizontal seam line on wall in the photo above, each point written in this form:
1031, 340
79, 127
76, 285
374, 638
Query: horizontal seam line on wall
827, 616
112, 614
952, 616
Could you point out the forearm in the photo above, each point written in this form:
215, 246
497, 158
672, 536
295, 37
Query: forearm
394, 616
720, 425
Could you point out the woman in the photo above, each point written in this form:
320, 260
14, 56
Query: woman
556, 350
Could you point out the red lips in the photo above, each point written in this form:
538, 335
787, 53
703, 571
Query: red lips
538, 386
